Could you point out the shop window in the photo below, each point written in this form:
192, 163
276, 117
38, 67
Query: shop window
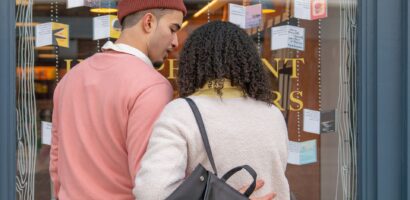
307, 46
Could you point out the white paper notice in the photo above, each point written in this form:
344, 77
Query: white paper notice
75, 3
288, 36
253, 16
279, 37
311, 121
44, 34
293, 154
245, 16
52, 33
310, 9
101, 27
46, 132
237, 15
79, 3
301, 153
302, 9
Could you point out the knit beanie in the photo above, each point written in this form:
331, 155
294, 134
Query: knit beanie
127, 7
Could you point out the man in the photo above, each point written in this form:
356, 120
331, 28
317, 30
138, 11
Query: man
104, 108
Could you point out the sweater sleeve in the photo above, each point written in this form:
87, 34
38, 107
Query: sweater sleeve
282, 128
54, 147
143, 112
164, 164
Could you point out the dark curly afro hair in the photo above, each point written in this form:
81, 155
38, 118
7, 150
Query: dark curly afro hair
221, 50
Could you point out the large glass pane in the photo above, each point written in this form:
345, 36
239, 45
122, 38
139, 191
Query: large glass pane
307, 46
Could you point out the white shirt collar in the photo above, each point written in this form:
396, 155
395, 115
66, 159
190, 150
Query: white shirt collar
127, 49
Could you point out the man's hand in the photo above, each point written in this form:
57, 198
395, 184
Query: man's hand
259, 184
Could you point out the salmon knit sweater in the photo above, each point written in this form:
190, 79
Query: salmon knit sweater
104, 109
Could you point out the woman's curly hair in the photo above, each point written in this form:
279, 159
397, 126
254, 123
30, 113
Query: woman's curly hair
221, 50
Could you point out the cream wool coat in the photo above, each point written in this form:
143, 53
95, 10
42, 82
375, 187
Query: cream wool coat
240, 131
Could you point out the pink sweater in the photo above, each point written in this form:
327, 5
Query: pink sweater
104, 109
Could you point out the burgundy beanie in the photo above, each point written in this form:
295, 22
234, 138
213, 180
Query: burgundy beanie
127, 7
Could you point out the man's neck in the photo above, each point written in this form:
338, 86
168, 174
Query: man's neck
131, 42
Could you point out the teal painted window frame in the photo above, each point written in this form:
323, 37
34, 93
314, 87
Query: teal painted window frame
7, 100
384, 107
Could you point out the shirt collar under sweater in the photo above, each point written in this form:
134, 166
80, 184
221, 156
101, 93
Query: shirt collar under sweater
228, 91
127, 49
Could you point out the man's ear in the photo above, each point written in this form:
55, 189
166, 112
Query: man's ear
148, 22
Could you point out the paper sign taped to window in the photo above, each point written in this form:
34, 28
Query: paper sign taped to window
44, 34
245, 16
302, 153
52, 33
106, 26
79, 3
311, 121
288, 36
310, 9
46, 132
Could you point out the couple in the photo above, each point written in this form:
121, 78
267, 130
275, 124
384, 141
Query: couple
117, 136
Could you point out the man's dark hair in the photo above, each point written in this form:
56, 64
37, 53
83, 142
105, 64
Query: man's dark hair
218, 51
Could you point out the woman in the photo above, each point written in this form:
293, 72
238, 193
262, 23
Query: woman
221, 71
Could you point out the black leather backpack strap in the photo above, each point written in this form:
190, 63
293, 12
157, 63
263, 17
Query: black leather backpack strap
202, 130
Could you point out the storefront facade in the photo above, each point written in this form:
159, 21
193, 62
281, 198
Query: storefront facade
380, 100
